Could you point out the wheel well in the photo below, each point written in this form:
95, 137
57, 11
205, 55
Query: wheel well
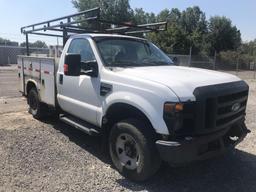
121, 111
30, 85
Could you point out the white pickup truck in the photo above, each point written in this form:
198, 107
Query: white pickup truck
130, 92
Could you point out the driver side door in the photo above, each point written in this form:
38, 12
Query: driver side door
80, 95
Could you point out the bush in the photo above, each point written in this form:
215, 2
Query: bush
227, 60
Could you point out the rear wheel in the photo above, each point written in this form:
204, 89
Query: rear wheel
133, 150
36, 108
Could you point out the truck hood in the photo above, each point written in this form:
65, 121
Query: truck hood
181, 80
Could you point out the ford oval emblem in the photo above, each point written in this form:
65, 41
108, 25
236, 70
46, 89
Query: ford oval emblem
236, 107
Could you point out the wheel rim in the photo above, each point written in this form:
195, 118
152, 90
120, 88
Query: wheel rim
32, 102
127, 151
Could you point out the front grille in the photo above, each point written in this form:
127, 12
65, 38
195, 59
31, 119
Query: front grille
219, 111
212, 110
214, 103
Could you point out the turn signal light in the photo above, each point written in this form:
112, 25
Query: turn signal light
173, 107
179, 107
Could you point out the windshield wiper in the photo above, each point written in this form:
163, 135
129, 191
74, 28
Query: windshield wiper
136, 64
124, 64
156, 63
163, 63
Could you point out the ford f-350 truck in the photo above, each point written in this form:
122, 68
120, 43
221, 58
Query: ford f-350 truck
147, 109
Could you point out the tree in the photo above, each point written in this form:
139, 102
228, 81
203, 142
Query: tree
8, 42
4, 41
223, 35
249, 48
194, 25
113, 10
185, 29
172, 39
37, 44
142, 17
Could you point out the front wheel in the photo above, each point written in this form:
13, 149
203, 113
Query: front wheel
133, 150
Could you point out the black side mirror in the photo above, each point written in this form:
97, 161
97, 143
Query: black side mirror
175, 61
72, 65
90, 68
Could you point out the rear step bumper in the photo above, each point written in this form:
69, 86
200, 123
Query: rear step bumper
200, 148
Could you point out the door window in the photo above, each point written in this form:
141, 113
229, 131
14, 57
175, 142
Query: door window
82, 47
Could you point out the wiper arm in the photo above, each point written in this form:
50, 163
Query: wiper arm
155, 63
163, 63
124, 64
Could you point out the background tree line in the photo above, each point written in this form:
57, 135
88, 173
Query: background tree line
8, 42
185, 29
36, 44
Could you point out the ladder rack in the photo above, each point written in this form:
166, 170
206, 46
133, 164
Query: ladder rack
88, 21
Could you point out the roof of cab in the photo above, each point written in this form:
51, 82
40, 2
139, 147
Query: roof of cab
92, 35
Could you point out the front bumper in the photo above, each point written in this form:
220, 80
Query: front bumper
202, 147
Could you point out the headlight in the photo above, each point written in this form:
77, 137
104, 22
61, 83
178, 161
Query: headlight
173, 116
170, 108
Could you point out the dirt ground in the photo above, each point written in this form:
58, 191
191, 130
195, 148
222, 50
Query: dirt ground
51, 156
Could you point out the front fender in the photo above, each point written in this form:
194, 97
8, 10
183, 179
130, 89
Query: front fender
152, 110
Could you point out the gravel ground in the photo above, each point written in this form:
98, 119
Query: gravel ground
51, 156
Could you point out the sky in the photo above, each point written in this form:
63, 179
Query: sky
17, 13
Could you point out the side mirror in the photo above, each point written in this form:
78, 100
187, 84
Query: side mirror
175, 61
90, 68
72, 66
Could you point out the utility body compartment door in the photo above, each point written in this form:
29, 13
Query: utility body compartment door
47, 90
40, 72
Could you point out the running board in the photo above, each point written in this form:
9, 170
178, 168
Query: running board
79, 124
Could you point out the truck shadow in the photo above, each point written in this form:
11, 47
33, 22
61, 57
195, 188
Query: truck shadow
232, 172
235, 171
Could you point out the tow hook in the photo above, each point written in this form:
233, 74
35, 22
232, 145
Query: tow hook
241, 135
235, 138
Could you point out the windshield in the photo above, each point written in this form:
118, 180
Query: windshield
124, 52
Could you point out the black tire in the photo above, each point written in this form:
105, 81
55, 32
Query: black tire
148, 160
36, 108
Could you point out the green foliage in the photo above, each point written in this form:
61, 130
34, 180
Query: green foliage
113, 10
4, 41
231, 58
37, 44
185, 29
7, 42
228, 57
188, 28
223, 35
141, 17
249, 48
